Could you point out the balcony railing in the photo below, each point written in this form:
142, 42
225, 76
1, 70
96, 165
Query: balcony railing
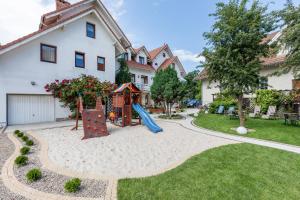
143, 87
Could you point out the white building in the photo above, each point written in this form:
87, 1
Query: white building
143, 64
76, 39
268, 80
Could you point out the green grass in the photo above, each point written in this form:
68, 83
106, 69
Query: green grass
241, 171
274, 130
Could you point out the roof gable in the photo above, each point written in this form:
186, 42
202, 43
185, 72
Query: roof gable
155, 52
56, 19
142, 48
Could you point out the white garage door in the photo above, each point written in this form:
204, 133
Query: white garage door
26, 109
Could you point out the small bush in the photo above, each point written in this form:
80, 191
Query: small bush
29, 143
34, 175
16, 132
73, 185
21, 160
24, 150
20, 134
25, 138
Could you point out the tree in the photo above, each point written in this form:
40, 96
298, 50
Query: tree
290, 16
235, 47
190, 85
166, 88
123, 74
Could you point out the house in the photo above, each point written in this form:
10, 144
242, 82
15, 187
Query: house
74, 39
143, 64
285, 82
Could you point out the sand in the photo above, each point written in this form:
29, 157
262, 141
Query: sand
128, 152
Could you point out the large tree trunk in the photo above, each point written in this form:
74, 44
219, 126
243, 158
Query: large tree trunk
241, 112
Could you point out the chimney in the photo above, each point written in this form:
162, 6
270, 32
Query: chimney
60, 4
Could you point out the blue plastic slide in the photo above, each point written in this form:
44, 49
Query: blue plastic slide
148, 121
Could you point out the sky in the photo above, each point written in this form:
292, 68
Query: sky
179, 23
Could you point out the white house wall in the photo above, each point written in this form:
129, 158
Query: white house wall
22, 65
160, 59
208, 90
282, 82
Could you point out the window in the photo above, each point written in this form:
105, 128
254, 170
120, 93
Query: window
144, 79
133, 78
79, 60
141, 60
263, 83
90, 30
164, 55
126, 56
101, 63
48, 53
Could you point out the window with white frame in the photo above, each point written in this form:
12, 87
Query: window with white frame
141, 60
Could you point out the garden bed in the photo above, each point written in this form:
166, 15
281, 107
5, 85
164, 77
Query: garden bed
52, 182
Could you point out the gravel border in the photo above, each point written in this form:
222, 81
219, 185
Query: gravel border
52, 182
6, 150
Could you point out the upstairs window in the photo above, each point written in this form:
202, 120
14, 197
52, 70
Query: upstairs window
126, 56
90, 30
144, 79
79, 60
48, 53
101, 63
141, 60
132, 78
263, 83
164, 55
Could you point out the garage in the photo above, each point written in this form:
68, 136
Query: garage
28, 109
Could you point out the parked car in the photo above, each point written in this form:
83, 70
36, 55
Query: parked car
193, 103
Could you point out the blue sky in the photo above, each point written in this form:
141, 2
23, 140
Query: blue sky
180, 23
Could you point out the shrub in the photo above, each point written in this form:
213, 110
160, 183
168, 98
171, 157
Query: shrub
29, 143
73, 185
16, 132
24, 150
34, 175
20, 134
222, 101
25, 138
21, 160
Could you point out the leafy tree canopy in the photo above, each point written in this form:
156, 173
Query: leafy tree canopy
123, 75
290, 16
235, 48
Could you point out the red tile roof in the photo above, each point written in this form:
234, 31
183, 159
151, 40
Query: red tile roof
44, 29
167, 63
275, 60
156, 51
269, 37
133, 64
266, 62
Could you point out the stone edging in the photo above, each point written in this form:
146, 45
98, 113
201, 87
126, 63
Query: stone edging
11, 182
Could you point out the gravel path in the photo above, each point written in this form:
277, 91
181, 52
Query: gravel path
54, 183
6, 150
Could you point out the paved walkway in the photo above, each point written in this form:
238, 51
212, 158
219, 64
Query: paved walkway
188, 123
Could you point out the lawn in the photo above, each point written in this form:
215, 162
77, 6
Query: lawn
240, 171
274, 130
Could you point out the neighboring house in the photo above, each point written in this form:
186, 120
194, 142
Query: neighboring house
76, 39
284, 82
143, 64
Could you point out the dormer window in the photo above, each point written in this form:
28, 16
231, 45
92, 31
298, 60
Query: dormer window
90, 30
141, 60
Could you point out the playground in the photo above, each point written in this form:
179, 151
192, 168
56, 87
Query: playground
133, 151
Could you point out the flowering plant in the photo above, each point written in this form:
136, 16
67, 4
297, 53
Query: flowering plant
89, 87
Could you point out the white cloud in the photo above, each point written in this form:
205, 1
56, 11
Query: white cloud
115, 7
185, 55
20, 17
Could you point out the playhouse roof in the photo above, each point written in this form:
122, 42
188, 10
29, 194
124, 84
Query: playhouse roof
130, 86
